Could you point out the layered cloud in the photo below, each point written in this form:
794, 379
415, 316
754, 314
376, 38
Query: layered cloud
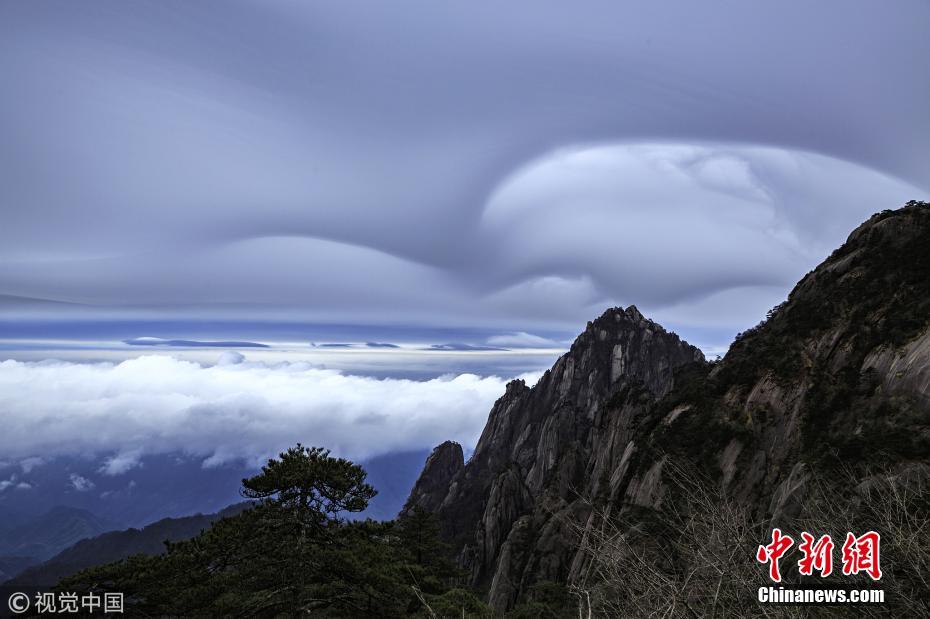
241, 410
697, 235
677, 228
520, 165
522, 339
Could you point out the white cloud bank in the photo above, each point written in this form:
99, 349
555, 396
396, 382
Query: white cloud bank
159, 404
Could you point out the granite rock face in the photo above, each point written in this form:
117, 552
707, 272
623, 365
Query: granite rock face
544, 443
840, 368
441, 467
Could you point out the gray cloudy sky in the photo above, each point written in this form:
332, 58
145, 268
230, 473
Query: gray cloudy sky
520, 165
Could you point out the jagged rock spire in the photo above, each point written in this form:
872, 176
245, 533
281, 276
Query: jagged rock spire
442, 465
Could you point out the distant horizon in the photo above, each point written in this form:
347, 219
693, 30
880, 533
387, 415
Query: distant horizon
33, 333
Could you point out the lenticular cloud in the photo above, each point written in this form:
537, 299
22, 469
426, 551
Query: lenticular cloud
229, 411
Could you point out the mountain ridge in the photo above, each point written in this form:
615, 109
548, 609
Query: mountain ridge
44, 535
115, 545
838, 373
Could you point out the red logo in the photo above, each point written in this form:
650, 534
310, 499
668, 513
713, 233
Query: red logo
817, 556
860, 554
773, 552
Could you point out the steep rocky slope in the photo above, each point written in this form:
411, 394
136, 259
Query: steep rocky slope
566, 434
441, 467
839, 373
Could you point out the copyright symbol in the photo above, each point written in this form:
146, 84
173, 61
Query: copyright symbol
18, 603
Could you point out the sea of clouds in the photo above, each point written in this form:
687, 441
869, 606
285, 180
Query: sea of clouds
232, 410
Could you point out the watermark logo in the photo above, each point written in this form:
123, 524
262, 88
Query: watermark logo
817, 556
773, 552
18, 603
860, 554
47, 602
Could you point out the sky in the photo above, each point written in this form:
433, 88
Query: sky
494, 174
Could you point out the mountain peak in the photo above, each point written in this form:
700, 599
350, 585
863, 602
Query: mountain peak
446, 460
632, 346
535, 436
515, 386
600, 425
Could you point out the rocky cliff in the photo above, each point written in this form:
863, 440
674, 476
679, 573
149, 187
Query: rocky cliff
543, 444
840, 371
430, 488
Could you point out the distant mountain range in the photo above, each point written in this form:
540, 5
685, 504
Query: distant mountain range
43, 536
116, 545
11, 566
66, 539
